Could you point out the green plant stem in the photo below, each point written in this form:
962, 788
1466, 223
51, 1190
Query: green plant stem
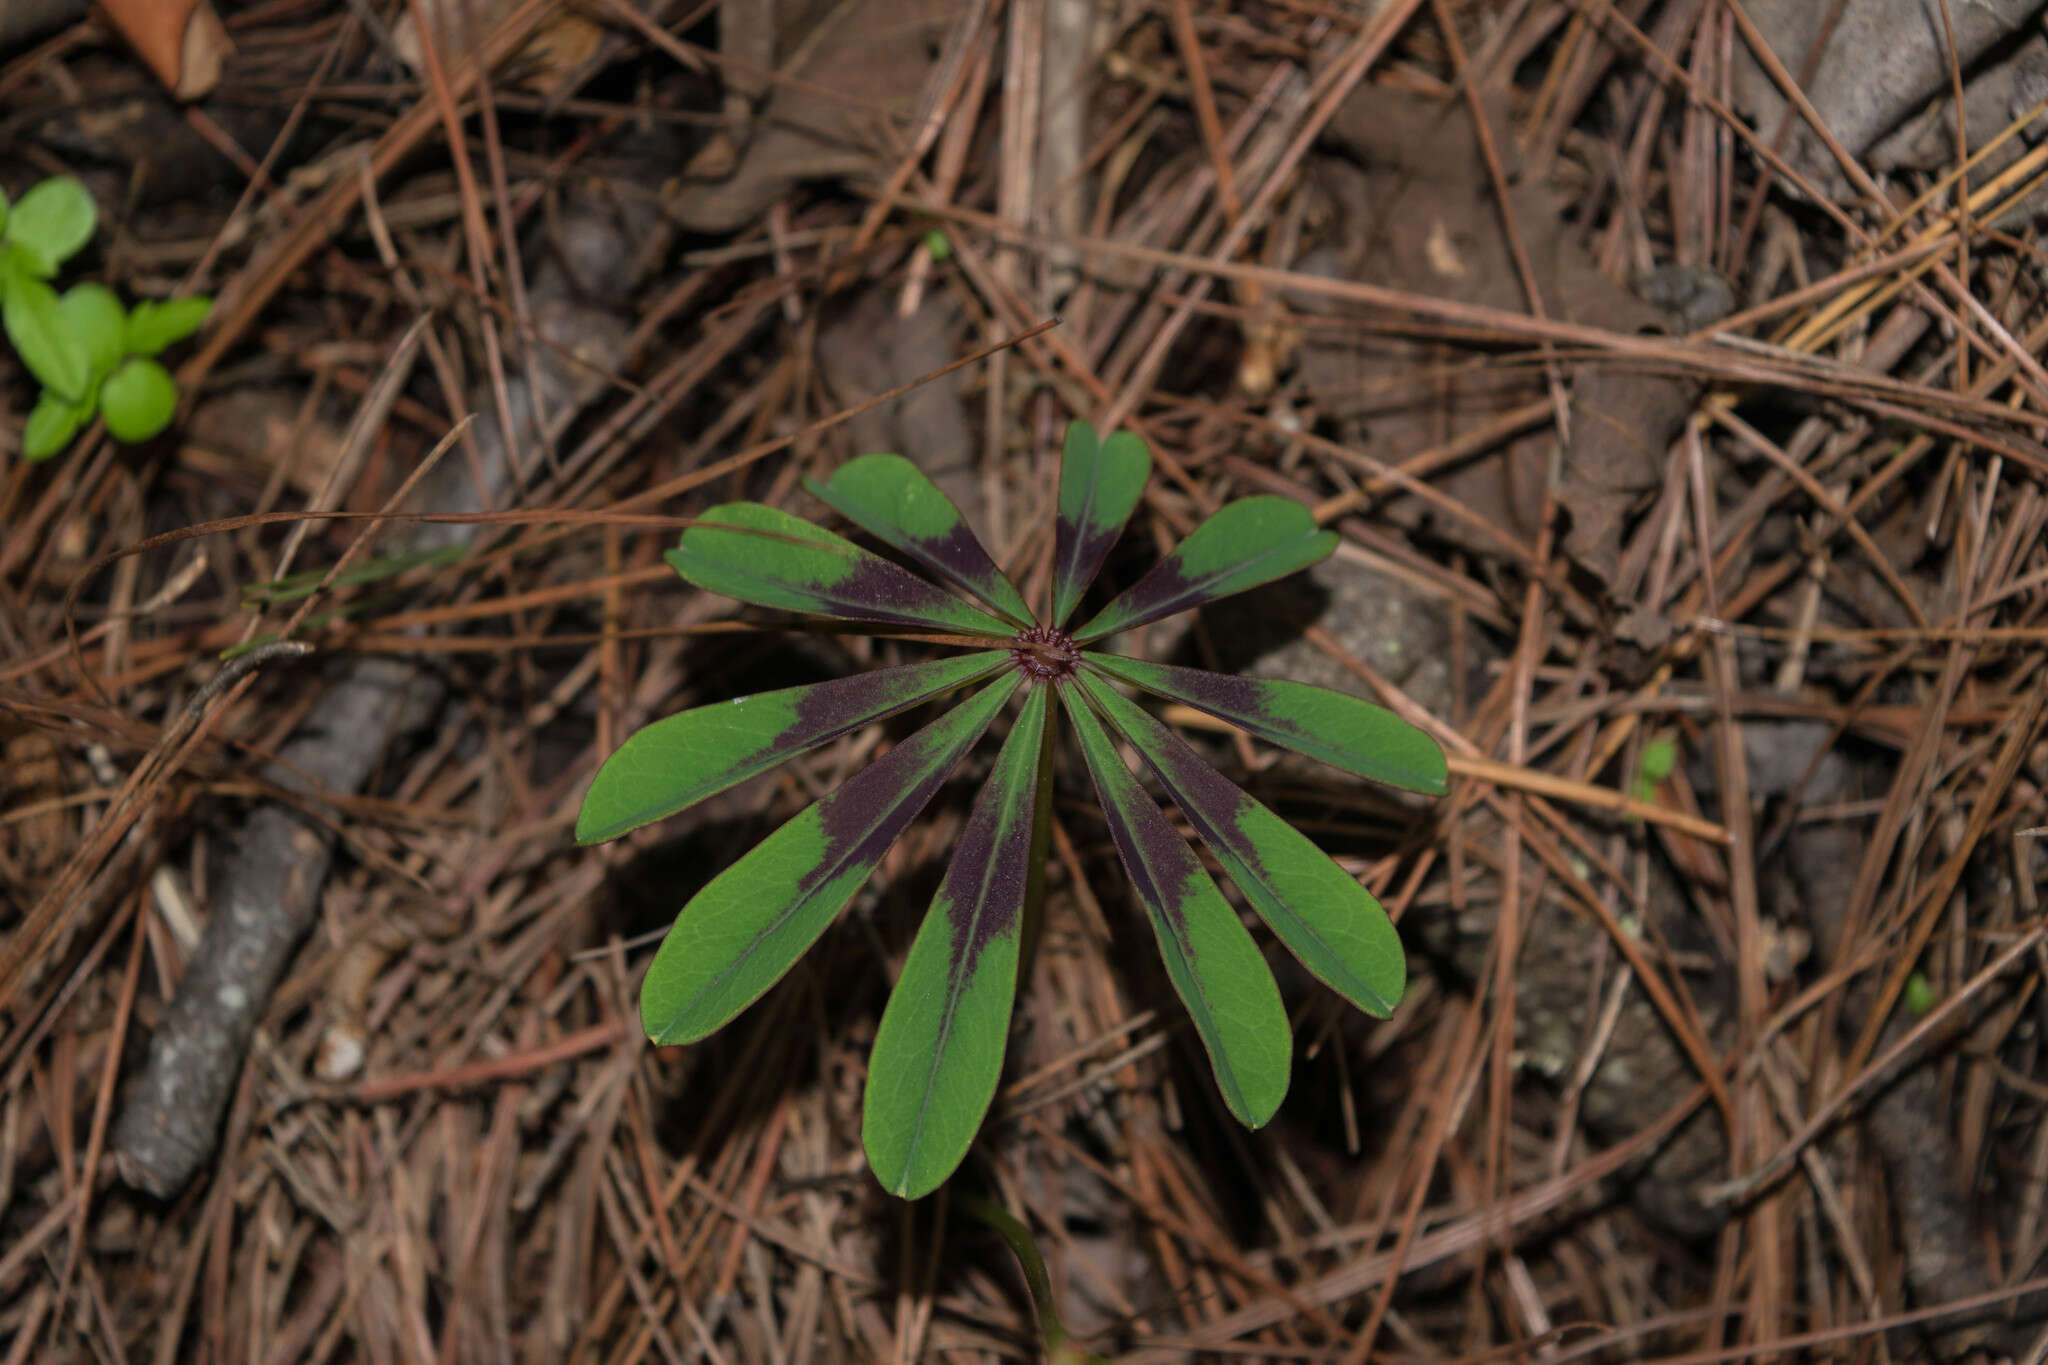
1058, 1346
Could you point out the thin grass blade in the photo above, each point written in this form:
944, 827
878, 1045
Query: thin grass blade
738, 935
681, 759
890, 498
1246, 543
1340, 730
1326, 919
1209, 956
765, 556
1100, 483
939, 1051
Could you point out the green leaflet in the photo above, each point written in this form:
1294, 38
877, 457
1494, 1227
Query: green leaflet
1341, 730
939, 1051
1319, 910
1210, 957
1100, 483
681, 759
93, 317
889, 497
154, 324
1246, 543
51, 424
762, 555
52, 222
28, 309
738, 935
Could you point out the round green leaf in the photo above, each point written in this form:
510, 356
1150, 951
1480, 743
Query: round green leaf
39, 335
92, 317
3, 211
138, 400
51, 425
53, 221
154, 324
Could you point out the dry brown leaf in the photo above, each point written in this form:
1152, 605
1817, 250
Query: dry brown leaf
182, 41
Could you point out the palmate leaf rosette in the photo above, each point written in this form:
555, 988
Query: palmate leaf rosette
938, 1053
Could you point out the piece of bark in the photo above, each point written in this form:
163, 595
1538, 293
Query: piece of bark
1883, 60
1993, 96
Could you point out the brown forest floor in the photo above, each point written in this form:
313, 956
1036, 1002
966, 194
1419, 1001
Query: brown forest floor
1687, 449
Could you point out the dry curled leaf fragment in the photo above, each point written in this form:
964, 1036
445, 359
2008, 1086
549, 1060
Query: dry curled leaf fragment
182, 41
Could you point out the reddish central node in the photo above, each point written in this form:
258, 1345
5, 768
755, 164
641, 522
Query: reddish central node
1046, 653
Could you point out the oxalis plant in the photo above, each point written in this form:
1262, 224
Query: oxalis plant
91, 355
939, 1050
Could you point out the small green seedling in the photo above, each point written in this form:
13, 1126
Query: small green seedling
1660, 756
1921, 997
939, 1050
89, 354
